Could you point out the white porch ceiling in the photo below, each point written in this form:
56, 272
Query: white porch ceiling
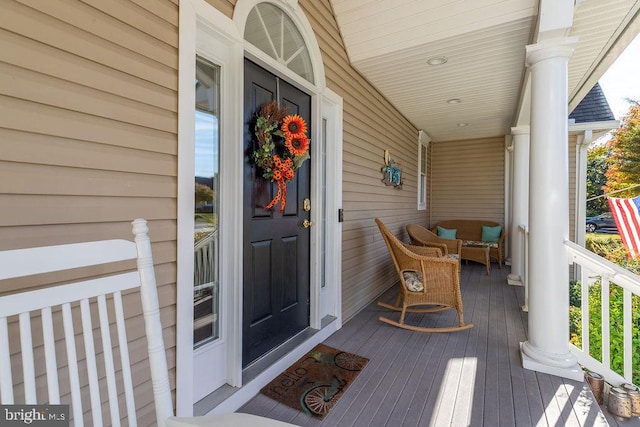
484, 41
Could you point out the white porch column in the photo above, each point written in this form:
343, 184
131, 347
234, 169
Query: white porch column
547, 349
582, 147
519, 202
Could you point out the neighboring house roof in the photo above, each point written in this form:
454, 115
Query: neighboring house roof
593, 108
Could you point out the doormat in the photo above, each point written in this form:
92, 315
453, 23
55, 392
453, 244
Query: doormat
315, 382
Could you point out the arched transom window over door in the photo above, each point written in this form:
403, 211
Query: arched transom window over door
272, 31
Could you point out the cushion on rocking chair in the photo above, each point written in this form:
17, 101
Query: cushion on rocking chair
413, 281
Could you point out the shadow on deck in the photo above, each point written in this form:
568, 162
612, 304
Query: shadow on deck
467, 378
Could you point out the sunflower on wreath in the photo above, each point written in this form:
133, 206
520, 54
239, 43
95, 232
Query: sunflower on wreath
282, 147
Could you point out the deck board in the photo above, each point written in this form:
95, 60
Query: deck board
466, 378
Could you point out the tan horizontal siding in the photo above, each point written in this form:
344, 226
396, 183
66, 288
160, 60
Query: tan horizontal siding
573, 139
26, 147
93, 21
139, 17
50, 61
88, 131
38, 26
166, 9
28, 116
371, 125
83, 182
467, 180
52, 209
224, 6
25, 236
46, 90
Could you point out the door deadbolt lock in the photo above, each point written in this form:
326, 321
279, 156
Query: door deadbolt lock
306, 223
306, 205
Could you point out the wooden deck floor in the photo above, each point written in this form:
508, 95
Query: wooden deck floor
467, 378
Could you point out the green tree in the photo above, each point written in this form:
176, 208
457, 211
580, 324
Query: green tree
596, 178
204, 194
624, 161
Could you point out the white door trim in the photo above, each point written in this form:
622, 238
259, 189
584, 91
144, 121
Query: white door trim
331, 294
206, 31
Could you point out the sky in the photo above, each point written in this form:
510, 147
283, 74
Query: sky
622, 79
206, 147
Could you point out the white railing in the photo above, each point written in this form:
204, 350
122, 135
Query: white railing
205, 265
595, 269
205, 288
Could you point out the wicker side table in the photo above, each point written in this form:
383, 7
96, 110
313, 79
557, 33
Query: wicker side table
478, 254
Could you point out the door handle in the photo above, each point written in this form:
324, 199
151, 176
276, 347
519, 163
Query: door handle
306, 223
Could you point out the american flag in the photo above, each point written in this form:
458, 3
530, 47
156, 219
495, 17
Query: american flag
626, 213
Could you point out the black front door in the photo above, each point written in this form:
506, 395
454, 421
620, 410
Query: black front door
276, 245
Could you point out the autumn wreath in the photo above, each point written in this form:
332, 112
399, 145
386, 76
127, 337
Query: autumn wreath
282, 147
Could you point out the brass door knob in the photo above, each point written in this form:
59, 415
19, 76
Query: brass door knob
306, 223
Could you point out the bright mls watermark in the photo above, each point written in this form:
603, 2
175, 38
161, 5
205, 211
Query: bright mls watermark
34, 415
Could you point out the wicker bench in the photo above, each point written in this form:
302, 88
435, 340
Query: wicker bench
473, 248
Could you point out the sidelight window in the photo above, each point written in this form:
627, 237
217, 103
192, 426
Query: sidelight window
206, 209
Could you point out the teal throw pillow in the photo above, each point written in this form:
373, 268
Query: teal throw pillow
491, 234
447, 233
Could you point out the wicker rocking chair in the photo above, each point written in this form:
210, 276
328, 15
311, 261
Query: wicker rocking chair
426, 279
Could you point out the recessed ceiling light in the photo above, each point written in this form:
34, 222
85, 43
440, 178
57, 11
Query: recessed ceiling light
461, 125
454, 101
437, 60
